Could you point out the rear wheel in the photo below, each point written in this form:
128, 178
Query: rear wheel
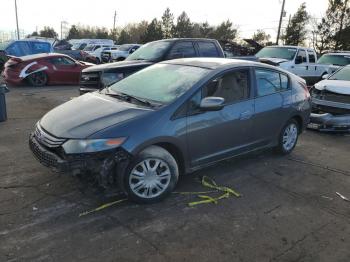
288, 137
38, 79
151, 176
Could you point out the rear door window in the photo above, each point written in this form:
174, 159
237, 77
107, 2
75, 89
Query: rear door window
270, 82
62, 61
207, 49
182, 50
312, 58
38, 47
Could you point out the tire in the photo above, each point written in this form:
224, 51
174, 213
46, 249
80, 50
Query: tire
38, 79
288, 137
151, 176
98, 61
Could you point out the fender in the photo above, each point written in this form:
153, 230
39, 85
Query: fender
23, 74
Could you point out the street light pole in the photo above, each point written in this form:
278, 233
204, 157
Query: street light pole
280, 23
17, 19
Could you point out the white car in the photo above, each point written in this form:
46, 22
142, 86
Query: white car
331, 102
298, 60
97, 53
120, 54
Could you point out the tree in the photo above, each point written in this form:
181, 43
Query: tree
183, 27
296, 31
225, 31
167, 23
73, 33
153, 31
124, 37
206, 30
137, 31
48, 32
331, 32
261, 37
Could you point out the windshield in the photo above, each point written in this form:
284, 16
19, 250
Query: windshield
334, 60
277, 52
89, 48
125, 47
152, 51
343, 74
161, 83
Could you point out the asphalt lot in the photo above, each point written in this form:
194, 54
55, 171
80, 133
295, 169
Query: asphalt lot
289, 210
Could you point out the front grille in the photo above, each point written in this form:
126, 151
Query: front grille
330, 96
46, 139
45, 157
90, 79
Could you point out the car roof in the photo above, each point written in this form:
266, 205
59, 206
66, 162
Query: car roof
292, 46
338, 53
41, 55
214, 63
184, 39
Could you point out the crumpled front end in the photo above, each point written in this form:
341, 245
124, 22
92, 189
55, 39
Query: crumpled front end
331, 111
103, 166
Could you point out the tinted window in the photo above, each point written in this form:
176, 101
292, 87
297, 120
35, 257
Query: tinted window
207, 49
233, 86
62, 61
19, 49
38, 47
270, 82
152, 51
302, 53
312, 58
181, 50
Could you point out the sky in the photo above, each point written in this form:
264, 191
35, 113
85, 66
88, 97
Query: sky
248, 15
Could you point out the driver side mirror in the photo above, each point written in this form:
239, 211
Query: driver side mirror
298, 60
212, 103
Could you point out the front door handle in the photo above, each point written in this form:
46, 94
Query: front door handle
245, 115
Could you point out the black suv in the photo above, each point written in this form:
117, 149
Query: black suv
100, 76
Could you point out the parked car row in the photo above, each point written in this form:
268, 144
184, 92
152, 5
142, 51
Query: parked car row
155, 114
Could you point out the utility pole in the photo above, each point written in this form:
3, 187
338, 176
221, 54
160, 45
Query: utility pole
115, 17
280, 23
17, 20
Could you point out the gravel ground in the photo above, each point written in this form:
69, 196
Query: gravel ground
288, 211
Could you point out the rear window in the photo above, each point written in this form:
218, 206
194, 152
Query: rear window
207, 49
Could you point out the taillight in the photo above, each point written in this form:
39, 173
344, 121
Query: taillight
304, 86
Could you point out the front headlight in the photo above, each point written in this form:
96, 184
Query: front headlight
78, 146
110, 78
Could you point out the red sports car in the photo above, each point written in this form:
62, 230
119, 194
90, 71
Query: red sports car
43, 69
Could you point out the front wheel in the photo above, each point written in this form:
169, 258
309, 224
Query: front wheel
151, 176
288, 137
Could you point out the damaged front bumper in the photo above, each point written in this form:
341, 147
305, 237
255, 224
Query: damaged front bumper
105, 165
330, 116
330, 123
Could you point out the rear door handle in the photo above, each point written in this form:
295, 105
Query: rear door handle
245, 115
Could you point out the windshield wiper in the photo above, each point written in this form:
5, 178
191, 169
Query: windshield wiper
127, 97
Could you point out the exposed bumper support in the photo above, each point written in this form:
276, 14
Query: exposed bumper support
330, 123
106, 166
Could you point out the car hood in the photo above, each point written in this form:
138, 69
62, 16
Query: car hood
335, 86
272, 60
85, 115
131, 63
